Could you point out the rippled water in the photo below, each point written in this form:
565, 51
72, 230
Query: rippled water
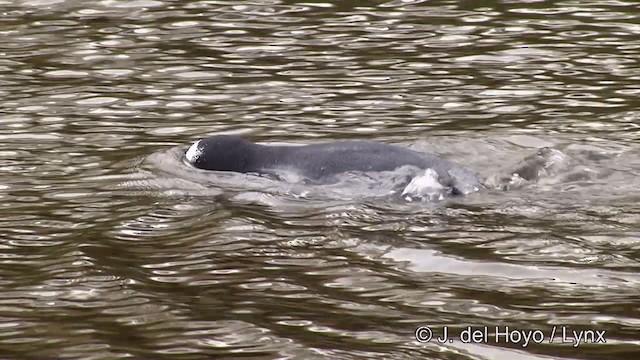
112, 248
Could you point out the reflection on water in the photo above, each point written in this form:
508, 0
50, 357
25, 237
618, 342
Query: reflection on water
112, 248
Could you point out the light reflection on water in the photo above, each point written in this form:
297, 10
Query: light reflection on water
111, 247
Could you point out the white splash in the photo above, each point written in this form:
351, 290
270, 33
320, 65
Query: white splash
425, 187
194, 152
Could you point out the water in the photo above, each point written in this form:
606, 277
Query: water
112, 248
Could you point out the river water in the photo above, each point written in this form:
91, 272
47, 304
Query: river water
112, 248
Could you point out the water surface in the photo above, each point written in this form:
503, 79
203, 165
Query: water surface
112, 248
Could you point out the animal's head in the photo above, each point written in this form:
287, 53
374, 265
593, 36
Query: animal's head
220, 153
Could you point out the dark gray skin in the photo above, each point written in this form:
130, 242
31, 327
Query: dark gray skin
321, 162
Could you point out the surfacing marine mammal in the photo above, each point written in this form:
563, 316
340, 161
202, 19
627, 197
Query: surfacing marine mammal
320, 163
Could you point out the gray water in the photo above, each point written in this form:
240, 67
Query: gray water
112, 248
